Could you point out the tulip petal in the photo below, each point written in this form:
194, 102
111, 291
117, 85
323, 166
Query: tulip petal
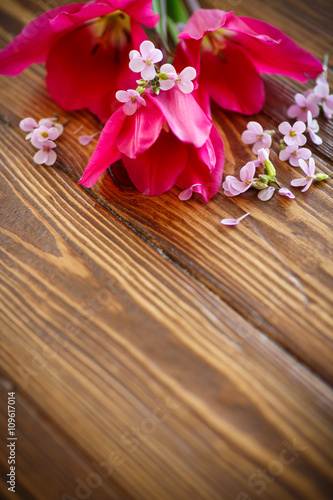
181, 109
272, 51
197, 171
106, 151
234, 83
138, 134
203, 21
156, 170
78, 75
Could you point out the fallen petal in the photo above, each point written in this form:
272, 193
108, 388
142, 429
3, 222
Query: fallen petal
266, 194
187, 193
233, 222
84, 140
285, 192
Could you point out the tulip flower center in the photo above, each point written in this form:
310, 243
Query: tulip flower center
216, 41
112, 29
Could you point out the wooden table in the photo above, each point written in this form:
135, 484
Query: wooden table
154, 353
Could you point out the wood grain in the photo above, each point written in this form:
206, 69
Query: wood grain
140, 332
119, 328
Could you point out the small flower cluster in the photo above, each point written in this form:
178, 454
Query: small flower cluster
42, 136
313, 100
152, 77
266, 183
307, 108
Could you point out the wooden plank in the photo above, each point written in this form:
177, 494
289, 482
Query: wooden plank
276, 269
45, 458
114, 316
254, 269
99, 330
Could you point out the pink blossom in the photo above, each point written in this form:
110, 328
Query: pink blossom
158, 148
46, 154
263, 155
187, 193
309, 170
313, 128
182, 80
30, 124
230, 53
42, 134
303, 105
255, 135
234, 222
85, 47
294, 154
285, 192
132, 100
326, 100
293, 134
145, 61
233, 186
266, 194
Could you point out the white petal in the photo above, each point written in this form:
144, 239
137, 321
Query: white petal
59, 127
188, 73
28, 124
137, 64
53, 133
185, 86
130, 108
167, 68
166, 84
266, 194
148, 72
284, 128
52, 156
146, 47
299, 182
133, 54
123, 96
156, 55
41, 157
255, 127
233, 222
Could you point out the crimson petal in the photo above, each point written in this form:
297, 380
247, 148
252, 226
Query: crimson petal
234, 82
156, 170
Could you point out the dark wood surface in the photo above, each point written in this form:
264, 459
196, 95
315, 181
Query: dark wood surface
195, 359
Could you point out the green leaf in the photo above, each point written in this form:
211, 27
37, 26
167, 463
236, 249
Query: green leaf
173, 30
177, 11
159, 7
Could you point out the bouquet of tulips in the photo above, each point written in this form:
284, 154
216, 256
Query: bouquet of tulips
154, 100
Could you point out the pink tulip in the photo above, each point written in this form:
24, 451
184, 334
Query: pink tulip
158, 148
231, 52
85, 47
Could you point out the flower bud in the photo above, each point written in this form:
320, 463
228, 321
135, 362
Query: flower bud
320, 177
271, 172
259, 185
264, 178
